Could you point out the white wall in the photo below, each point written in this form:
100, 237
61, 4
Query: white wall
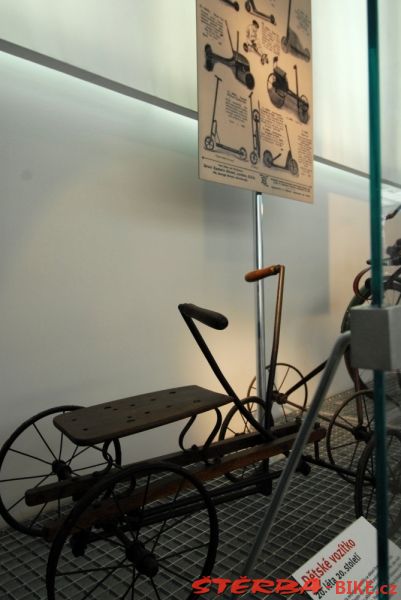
130, 42
105, 228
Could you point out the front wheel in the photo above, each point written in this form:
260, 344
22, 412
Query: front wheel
290, 391
293, 166
156, 531
276, 95
303, 109
209, 142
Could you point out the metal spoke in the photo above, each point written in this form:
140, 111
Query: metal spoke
285, 377
167, 517
22, 478
182, 550
99, 583
30, 456
92, 570
44, 441
61, 446
155, 588
354, 454
72, 456
23, 497
32, 523
345, 445
176, 574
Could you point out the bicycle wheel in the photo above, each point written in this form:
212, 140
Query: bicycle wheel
235, 424
350, 429
38, 454
363, 378
365, 484
151, 538
287, 376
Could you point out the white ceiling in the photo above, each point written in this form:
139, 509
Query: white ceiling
150, 46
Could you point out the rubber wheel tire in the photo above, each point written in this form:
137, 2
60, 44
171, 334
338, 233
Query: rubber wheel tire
268, 158
303, 109
293, 166
44, 456
249, 81
276, 96
254, 158
209, 142
140, 515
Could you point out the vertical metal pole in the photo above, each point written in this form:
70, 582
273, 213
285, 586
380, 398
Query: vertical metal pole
259, 296
377, 289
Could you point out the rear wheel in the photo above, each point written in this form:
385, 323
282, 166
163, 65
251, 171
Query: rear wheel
38, 454
267, 158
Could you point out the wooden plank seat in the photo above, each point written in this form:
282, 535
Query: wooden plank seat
120, 418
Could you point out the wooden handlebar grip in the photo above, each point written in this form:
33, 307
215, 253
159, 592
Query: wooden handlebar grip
262, 273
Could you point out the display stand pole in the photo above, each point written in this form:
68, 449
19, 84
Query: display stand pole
272, 510
259, 297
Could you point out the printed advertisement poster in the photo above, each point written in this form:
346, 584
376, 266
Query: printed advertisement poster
347, 566
255, 95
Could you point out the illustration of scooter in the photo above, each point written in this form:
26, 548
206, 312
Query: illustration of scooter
290, 164
291, 42
251, 8
232, 3
255, 119
252, 44
212, 140
278, 89
237, 63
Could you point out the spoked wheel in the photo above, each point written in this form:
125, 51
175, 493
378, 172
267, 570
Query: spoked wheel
349, 431
254, 157
276, 95
209, 142
235, 424
150, 539
38, 454
363, 378
365, 485
292, 403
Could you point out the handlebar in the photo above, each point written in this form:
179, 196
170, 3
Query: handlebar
204, 315
262, 273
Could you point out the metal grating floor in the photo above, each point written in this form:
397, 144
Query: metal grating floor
316, 509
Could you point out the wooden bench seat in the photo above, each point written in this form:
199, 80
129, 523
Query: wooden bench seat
120, 418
